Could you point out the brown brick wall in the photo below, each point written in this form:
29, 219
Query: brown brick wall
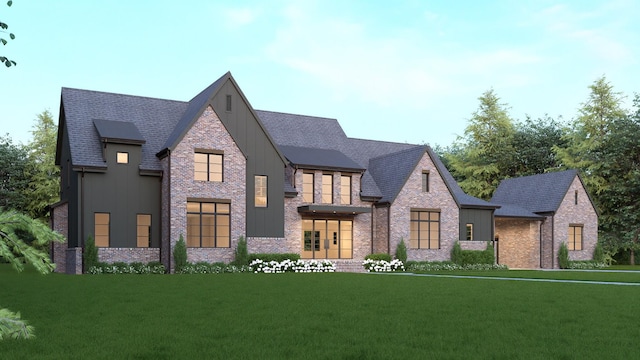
60, 219
207, 132
438, 197
583, 213
381, 230
128, 255
293, 219
519, 243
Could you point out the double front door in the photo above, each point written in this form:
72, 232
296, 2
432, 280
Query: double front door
327, 239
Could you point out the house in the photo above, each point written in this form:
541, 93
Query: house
538, 213
139, 173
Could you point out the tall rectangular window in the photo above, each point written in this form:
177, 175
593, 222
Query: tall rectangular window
207, 167
261, 191
345, 190
122, 157
425, 181
228, 105
208, 224
101, 229
307, 187
575, 237
469, 236
327, 188
143, 232
425, 229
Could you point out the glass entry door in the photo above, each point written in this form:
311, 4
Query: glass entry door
327, 239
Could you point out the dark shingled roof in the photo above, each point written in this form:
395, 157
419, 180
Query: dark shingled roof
541, 193
388, 164
118, 131
154, 118
320, 159
191, 113
515, 211
392, 171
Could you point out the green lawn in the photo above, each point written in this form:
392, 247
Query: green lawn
318, 316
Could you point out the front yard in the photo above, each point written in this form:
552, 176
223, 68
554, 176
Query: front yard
320, 316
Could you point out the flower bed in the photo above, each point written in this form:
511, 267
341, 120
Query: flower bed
382, 265
273, 267
449, 266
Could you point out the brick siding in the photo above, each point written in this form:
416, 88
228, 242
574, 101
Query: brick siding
438, 197
207, 132
519, 243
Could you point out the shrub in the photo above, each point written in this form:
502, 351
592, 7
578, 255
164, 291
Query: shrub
401, 251
598, 253
277, 257
456, 253
273, 267
470, 257
180, 255
588, 264
489, 254
424, 266
563, 256
153, 267
90, 254
383, 265
378, 256
242, 254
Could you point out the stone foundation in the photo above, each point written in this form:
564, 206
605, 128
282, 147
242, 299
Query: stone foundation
128, 255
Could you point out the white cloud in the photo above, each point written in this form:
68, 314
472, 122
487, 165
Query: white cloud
238, 17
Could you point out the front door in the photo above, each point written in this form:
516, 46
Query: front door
326, 239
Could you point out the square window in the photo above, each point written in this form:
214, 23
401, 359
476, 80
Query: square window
207, 167
122, 157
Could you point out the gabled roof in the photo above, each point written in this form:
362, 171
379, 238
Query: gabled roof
154, 119
388, 164
192, 112
118, 131
320, 159
542, 193
392, 171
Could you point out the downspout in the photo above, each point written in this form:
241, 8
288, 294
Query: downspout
541, 239
553, 240
81, 236
169, 211
389, 228
372, 227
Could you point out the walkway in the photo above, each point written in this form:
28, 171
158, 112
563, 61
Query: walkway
512, 279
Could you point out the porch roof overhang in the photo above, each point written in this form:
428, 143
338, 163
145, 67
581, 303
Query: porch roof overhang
333, 210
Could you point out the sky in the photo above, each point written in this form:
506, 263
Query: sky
403, 71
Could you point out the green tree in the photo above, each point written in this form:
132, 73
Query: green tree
13, 175
484, 156
589, 130
619, 200
4, 27
44, 180
533, 144
18, 252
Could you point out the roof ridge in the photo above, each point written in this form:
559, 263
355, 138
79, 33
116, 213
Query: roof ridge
286, 113
424, 147
387, 142
126, 95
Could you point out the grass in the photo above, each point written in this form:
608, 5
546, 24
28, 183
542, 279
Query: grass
317, 316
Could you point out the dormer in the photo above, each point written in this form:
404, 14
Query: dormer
121, 142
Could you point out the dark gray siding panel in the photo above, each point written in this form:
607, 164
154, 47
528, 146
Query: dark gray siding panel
482, 220
262, 159
123, 193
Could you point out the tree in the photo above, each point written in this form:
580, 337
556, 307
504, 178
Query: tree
619, 201
589, 130
533, 144
13, 174
15, 250
44, 180
484, 156
4, 27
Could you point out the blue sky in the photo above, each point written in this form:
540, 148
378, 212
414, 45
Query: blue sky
405, 71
